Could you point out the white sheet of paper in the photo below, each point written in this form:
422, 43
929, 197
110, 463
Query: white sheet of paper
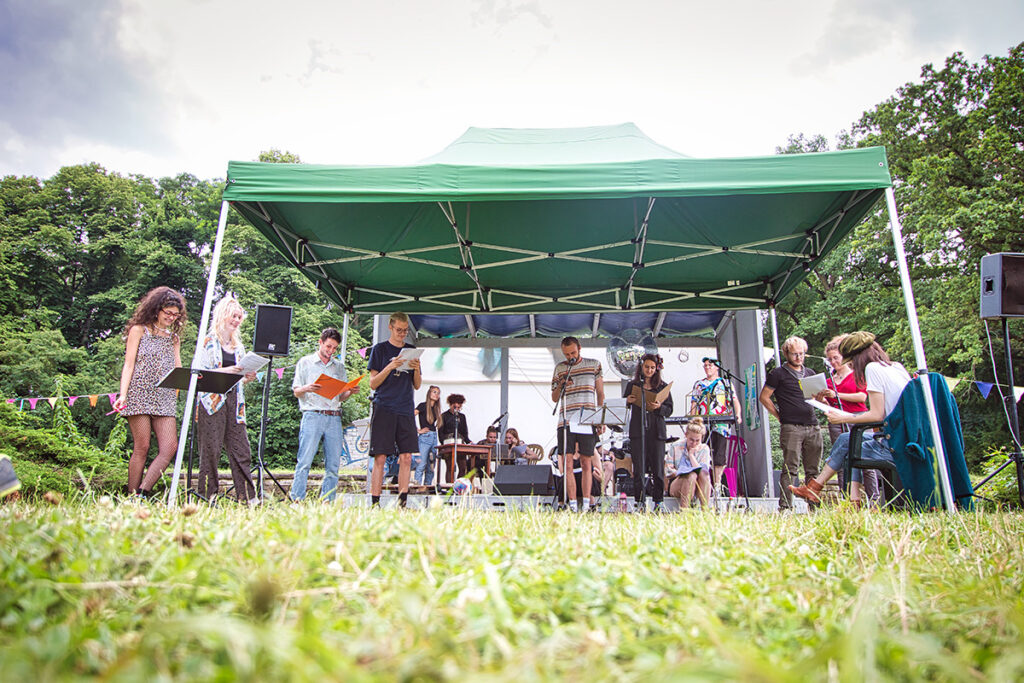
252, 362
406, 355
577, 428
815, 384
824, 407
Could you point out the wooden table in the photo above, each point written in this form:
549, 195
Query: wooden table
446, 451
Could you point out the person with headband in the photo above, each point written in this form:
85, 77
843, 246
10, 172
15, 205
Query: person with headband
885, 382
688, 465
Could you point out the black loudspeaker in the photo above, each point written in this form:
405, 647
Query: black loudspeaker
273, 330
1002, 285
523, 480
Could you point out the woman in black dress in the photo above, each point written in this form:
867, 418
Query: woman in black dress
648, 377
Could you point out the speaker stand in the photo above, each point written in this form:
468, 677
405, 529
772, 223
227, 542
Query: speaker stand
1015, 458
260, 468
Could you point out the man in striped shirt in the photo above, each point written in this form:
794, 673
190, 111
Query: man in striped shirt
584, 390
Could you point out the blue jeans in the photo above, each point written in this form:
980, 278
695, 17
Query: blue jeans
314, 427
423, 464
871, 449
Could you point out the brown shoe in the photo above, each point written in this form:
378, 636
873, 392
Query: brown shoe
808, 491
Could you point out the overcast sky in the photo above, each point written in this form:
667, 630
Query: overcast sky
160, 87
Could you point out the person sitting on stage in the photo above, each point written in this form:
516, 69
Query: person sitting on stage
517, 449
710, 397
491, 439
453, 425
885, 382
688, 465
648, 378
583, 385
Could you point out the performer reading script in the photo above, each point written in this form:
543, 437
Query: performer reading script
584, 390
393, 427
711, 397
648, 376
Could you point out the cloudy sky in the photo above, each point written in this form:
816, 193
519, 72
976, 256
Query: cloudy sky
160, 87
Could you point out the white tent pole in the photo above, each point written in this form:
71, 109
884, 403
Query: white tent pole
190, 397
344, 338
915, 333
775, 336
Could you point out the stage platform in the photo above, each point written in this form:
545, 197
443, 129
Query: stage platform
496, 503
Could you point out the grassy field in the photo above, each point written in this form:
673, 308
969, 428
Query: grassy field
108, 590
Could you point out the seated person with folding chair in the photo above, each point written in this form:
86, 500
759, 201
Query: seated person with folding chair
885, 381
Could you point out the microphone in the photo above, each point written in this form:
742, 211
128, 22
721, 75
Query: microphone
572, 361
713, 361
498, 421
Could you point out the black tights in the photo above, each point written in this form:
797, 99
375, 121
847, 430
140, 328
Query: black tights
167, 445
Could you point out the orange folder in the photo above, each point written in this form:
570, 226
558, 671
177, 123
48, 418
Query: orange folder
331, 387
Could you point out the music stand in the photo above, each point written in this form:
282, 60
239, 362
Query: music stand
208, 381
611, 414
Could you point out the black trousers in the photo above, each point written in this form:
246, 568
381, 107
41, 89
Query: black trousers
654, 464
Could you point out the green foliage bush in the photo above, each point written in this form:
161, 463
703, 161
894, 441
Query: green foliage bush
46, 460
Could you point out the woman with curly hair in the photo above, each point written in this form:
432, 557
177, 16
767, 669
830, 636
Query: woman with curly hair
648, 378
152, 349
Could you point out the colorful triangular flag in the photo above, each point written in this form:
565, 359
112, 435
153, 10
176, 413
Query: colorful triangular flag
92, 400
52, 400
280, 372
32, 403
72, 399
984, 387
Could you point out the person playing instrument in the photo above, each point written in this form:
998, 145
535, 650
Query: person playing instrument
393, 426
710, 397
321, 417
584, 390
800, 434
844, 393
885, 382
152, 349
222, 416
648, 378
453, 426
688, 464
428, 414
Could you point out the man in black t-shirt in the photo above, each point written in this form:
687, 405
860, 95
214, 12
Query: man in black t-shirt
800, 435
392, 426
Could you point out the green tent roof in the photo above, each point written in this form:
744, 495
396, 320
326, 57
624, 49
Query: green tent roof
564, 220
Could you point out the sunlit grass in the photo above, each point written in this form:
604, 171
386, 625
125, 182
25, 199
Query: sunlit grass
317, 592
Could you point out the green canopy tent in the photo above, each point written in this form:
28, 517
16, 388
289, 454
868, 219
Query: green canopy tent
595, 220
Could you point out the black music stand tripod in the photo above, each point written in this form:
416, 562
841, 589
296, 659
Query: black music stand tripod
210, 382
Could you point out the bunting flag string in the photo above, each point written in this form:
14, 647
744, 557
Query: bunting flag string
94, 398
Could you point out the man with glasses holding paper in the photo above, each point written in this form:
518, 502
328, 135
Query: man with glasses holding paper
394, 368
321, 416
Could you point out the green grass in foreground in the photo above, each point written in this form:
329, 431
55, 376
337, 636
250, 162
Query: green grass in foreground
322, 593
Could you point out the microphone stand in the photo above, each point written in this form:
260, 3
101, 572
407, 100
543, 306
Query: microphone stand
643, 445
731, 399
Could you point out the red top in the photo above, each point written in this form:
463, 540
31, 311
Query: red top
848, 385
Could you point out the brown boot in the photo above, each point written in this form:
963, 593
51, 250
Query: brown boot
808, 491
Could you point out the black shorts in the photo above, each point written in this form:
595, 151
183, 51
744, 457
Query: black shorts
391, 433
583, 443
719, 449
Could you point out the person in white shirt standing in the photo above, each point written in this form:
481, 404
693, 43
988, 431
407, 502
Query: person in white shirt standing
321, 417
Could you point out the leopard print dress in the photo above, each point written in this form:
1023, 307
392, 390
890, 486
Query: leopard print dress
154, 359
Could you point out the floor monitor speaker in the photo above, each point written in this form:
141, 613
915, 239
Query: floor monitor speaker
523, 480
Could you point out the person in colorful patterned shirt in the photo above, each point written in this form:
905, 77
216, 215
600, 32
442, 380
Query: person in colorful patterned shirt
710, 398
584, 390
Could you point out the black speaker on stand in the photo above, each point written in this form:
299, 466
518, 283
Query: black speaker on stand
1002, 296
271, 338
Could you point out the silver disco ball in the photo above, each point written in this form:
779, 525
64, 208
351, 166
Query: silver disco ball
625, 351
